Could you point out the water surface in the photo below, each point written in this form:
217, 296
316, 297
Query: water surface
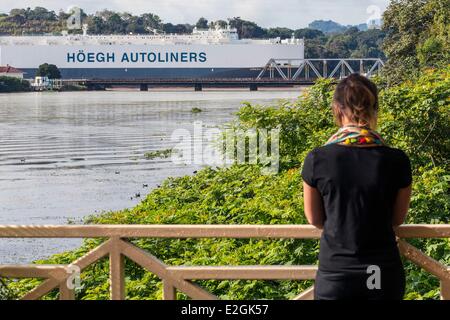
64, 156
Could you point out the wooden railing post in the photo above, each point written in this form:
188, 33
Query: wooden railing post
116, 271
445, 288
65, 293
169, 291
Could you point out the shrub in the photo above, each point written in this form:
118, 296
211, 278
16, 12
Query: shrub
11, 84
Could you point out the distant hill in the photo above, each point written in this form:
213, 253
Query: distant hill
327, 26
330, 26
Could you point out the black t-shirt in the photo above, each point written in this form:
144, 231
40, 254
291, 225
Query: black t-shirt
358, 186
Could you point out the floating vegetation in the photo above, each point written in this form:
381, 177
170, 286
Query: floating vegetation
158, 154
196, 110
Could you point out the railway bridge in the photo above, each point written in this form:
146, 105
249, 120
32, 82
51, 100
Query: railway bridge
276, 73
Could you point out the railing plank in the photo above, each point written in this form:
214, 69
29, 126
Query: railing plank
199, 231
30, 271
424, 231
422, 260
308, 294
41, 290
152, 264
244, 272
93, 255
161, 231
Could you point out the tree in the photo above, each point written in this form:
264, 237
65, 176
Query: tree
315, 48
221, 23
202, 23
17, 16
135, 25
115, 24
308, 33
283, 33
151, 21
178, 28
417, 36
96, 25
48, 70
370, 44
40, 13
247, 29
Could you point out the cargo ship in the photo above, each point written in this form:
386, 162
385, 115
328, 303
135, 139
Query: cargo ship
216, 53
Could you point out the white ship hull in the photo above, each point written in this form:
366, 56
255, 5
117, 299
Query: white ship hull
146, 61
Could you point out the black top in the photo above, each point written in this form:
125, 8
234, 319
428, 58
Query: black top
358, 186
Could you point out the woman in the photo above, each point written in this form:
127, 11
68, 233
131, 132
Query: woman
357, 189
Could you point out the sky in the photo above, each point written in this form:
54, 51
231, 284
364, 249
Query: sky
267, 13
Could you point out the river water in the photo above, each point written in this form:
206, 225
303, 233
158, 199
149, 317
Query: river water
64, 156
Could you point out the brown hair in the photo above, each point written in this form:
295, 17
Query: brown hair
356, 97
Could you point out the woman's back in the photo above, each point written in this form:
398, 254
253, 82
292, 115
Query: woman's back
358, 186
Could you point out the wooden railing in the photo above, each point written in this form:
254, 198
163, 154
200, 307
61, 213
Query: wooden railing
180, 277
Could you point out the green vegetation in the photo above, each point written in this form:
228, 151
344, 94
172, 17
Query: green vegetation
38, 20
48, 70
158, 154
11, 84
352, 43
196, 110
5, 293
418, 36
73, 87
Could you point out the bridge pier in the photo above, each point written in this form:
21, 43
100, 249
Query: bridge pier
253, 87
198, 87
143, 87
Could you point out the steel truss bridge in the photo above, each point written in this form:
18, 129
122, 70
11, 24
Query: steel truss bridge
276, 73
306, 69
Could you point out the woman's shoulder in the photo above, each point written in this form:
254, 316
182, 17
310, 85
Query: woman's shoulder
396, 153
335, 149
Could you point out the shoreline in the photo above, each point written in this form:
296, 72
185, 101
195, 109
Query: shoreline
168, 89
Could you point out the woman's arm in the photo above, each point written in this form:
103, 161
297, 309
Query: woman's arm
401, 206
313, 206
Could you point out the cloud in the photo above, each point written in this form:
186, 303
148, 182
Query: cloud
268, 13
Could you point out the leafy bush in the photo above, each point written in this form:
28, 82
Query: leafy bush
11, 84
5, 292
413, 116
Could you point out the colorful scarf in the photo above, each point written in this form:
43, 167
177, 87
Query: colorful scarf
353, 135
